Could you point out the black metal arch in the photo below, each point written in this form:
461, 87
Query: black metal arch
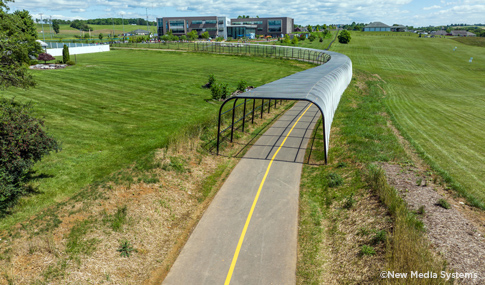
252, 119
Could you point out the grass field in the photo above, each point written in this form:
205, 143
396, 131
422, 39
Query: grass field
114, 108
473, 41
66, 32
436, 97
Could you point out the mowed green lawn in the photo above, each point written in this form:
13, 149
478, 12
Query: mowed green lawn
113, 108
435, 94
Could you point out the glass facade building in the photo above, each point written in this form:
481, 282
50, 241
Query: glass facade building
225, 27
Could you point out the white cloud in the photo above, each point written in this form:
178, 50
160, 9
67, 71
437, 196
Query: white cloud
432, 7
304, 12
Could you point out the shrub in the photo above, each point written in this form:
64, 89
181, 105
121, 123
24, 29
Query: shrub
212, 80
444, 204
71, 62
183, 37
294, 40
312, 37
23, 142
367, 250
287, 39
380, 236
334, 180
223, 91
321, 40
216, 91
344, 37
65, 54
302, 37
349, 202
241, 85
34, 62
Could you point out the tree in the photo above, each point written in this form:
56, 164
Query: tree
205, 35
287, 39
55, 26
17, 43
312, 37
23, 142
183, 37
65, 54
344, 37
302, 37
45, 57
310, 29
294, 40
100, 36
193, 35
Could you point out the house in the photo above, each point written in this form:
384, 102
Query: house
140, 32
458, 33
439, 33
381, 27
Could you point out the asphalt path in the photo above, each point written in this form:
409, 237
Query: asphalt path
248, 235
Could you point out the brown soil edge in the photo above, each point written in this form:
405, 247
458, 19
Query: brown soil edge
158, 274
456, 234
474, 215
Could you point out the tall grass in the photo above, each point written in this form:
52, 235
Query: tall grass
407, 249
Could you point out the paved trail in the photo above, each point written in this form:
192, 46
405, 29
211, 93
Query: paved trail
248, 235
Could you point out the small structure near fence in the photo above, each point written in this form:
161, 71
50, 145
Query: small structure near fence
322, 85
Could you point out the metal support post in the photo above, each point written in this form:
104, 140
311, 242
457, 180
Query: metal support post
244, 115
233, 116
254, 105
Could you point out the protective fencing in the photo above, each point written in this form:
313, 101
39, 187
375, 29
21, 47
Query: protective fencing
70, 45
265, 50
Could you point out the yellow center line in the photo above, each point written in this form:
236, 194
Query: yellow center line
241, 239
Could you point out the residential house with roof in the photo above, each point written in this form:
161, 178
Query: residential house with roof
381, 27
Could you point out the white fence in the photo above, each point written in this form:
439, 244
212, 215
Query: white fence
79, 50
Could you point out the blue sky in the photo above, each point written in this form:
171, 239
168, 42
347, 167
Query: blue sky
405, 12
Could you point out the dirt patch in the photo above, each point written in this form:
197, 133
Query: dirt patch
158, 214
456, 233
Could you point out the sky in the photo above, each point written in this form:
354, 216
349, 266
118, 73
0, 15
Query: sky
417, 13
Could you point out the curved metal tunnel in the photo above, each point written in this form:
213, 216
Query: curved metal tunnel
322, 85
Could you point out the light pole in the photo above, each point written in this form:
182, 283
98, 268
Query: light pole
42, 23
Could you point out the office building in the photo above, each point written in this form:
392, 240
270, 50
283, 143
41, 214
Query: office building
224, 27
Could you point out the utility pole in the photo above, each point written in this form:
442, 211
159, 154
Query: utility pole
112, 38
42, 22
50, 27
147, 22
